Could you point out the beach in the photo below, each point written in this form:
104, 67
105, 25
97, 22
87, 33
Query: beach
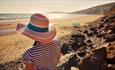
12, 45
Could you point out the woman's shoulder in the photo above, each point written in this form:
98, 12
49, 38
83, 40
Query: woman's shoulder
27, 51
57, 41
27, 56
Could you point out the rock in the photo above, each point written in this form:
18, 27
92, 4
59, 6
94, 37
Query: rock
111, 52
65, 49
111, 17
90, 34
110, 38
111, 67
93, 29
111, 60
95, 61
100, 35
18, 62
108, 31
75, 46
89, 41
78, 38
101, 26
91, 46
74, 68
85, 31
113, 28
106, 20
111, 48
67, 61
2, 67
81, 53
108, 27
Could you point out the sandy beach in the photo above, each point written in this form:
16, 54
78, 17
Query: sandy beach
13, 45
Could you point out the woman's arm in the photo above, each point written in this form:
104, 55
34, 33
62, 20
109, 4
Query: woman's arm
29, 66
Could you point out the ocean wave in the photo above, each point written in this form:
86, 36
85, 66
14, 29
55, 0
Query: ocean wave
7, 31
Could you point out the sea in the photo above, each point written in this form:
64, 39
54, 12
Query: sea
4, 17
13, 17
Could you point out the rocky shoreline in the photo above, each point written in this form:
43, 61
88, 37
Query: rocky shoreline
89, 47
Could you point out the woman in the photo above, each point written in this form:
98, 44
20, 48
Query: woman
45, 53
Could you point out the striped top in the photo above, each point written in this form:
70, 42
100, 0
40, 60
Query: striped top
44, 57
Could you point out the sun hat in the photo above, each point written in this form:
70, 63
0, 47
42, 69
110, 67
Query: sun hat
38, 29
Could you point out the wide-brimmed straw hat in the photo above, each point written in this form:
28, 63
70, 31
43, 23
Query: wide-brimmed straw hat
38, 29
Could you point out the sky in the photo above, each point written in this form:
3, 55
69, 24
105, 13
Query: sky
43, 6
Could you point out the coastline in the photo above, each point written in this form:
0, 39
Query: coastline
13, 45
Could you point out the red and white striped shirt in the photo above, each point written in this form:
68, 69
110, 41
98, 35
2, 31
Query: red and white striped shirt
44, 56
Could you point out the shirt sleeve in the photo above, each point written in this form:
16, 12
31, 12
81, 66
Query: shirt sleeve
27, 56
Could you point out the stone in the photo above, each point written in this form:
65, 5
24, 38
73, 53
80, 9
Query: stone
75, 46
90, 34
65, 49
101, 25
95, 61
110, 38
89, 41
2, 67
111, 60
85, 31
111, 67
78, 38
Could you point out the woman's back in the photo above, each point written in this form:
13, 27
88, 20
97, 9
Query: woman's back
44, 57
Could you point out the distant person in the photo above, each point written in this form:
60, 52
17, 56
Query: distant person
45, 53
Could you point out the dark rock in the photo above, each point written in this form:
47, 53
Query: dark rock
89, 41
111, 48
65, 49
68, 64
100, 35
81, 53
91, 46
90, 34
95, 32
85, 31
113, 29
111, 60
18, 62
106, 20
75, 46
2, 67
108, 27
96, 61
102, 18
110, 38
101, 26
111, 17
72, 62
78, 38
93, 29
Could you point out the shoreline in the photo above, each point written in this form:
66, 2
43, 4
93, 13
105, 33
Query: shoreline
10, 25
20, 43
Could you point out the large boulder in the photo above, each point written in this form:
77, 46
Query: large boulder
96, 60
